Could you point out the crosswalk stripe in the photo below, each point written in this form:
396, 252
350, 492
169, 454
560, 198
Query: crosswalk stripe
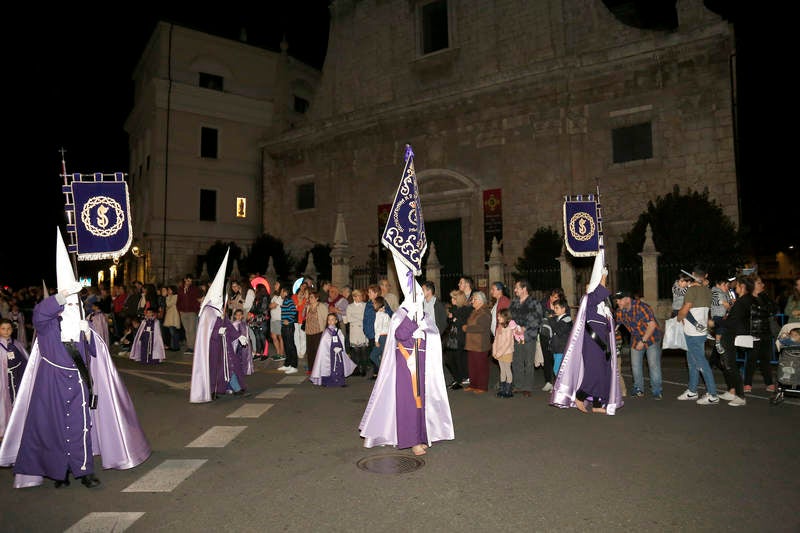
166, 476
216, 437
101, 522
292, 380
184, 385
274, 394
251, 410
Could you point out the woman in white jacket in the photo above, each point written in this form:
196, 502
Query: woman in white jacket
359, 345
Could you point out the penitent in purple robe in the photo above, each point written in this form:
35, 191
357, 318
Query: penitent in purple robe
223, 356
392, 416
99, 323
148, 345
585, 367
331, 363
52, 430
245, 353
16, 358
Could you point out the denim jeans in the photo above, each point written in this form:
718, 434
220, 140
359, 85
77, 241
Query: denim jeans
698, 364
653, 362
377, 352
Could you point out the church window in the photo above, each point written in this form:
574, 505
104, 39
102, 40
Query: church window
435, 30
305, 196
631, 143
208, 205
208, 142
211, 81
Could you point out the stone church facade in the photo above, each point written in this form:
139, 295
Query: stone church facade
509, 105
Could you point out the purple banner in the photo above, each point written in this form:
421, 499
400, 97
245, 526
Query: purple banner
102, 219
581, 231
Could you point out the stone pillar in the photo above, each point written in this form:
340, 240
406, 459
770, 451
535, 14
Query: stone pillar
235, 275
568, 280
204, 272
340, 254
270, 274
433, 271
311, 269
495, 264
649, 256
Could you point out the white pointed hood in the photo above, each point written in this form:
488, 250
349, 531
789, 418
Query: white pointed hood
65, 280
215, 295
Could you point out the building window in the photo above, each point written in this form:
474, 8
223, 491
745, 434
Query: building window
208, 143
631, 143
211, 81
208, 205
305, 196
300, 104
435, 31
241, 207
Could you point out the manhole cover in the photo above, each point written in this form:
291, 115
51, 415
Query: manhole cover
390, 463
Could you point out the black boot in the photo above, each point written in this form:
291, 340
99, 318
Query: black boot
90, 481
63, 482
509, 393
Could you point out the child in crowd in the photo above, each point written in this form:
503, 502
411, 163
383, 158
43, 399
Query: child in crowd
99, 321
720, 303
678, 292
554, 336
331, 365
381, 332
792, 339
244, 351
13, 359
503, 351
128, 333
148, 345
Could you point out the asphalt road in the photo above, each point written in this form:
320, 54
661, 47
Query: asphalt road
515, 465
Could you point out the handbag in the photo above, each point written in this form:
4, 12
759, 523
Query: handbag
674, 338
451, 337
743, 341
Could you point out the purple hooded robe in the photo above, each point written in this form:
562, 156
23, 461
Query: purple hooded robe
585, 366
52, 430
391, 416
331, 364
223, 356
148, 345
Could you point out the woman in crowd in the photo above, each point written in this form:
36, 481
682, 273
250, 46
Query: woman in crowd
455, 357
354, 316
172, 319
478, 343
792, 309
259, 322
762, 312
316, 315
736, 323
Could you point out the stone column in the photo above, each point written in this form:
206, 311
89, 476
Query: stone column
495, 264
433, 270
311, 268
340, 254
270, 274
649, 257
568, 279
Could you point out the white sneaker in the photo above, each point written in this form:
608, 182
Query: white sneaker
688, 395
737, 401
284, 368
707, 399
547, 387
291, 370
727, 396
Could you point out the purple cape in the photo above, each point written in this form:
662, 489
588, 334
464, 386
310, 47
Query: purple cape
224, 359
379, 424
33, 440
245, 353
325, 354
571, 374
148, 345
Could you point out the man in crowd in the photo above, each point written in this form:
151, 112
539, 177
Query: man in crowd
639, 319
433, 307
188, 306
466, 285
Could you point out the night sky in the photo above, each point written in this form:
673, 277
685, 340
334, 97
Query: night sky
71, 87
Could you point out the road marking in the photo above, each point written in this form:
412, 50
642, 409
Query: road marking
100, 522
274, 394
182, 385
216, 437
292, 380
251, 410
166, 476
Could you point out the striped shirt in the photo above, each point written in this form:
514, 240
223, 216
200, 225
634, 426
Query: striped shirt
288, 311
636, 320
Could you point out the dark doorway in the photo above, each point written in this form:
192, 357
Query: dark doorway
446, 235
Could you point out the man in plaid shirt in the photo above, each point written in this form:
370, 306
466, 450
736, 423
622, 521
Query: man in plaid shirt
640, 321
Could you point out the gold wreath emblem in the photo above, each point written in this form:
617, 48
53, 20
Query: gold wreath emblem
581, 226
